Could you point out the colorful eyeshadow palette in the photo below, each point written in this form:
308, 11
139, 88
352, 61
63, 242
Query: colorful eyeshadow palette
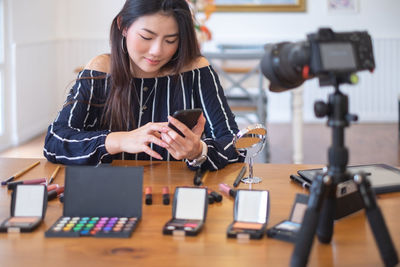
121, 227
100, 202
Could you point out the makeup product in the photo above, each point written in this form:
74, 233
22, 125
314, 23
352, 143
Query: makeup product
52, 194
216, 196
227, 190
12, 185
165, 195
288, 230
210, 199
54, 174
101, 202
199, 176
189, 211
239, 177
93, 226
28, 208
300, 181
52, 187
61, 197
149, 196
18, 174
250, 216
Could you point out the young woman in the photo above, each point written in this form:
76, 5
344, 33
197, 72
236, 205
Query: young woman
121, 103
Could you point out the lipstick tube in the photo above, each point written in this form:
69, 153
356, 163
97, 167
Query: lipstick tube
149, 196
227, 190
165, 195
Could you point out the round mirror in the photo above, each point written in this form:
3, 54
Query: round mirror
252, 139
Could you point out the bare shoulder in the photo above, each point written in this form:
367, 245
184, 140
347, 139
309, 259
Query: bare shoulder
100, 63
198, 63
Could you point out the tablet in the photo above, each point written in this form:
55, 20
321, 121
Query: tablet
384, 178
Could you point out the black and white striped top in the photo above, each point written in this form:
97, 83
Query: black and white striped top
75, 137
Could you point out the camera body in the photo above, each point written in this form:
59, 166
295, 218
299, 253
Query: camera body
340, 53
326, 55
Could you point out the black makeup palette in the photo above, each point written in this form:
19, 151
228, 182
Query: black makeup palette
288, 230
189, 211
100, 202
251, 212
28, 208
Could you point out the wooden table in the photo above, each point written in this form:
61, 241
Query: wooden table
352, 245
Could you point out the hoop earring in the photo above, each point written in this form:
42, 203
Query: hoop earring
122, 45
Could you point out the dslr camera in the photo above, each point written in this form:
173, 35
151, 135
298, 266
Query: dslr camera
331, 56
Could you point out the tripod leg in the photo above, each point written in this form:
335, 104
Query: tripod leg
309, 225
377, 222
325, 226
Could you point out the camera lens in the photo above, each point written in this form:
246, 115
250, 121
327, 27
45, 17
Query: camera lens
282, 64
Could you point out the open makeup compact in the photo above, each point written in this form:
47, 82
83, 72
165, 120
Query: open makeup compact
28, 208
251, 213
288, 230
189, 211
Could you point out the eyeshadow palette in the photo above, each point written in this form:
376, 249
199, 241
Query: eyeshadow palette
189, 211
100, 202
288, 230
22, 221
186, 226
93, 226
28, 208
251, 213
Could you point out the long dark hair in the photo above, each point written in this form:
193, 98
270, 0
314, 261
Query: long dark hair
118, 111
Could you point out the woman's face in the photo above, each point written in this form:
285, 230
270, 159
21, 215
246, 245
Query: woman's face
151, 42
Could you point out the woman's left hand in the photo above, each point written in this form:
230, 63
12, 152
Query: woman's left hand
188, 147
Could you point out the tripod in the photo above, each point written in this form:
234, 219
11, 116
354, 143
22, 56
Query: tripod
319, 216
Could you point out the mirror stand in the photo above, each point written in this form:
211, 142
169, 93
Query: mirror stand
251, 179
252, 139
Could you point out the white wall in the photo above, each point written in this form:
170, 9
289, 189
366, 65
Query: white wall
52, 37
31, 58
373, 99
380, 18
90, 19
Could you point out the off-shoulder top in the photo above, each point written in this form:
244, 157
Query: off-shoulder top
76, 136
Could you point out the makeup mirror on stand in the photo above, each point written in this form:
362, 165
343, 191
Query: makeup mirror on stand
252, 139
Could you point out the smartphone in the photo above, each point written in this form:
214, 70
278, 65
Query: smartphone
188, 117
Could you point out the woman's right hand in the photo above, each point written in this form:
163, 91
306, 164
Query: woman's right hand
138, 140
